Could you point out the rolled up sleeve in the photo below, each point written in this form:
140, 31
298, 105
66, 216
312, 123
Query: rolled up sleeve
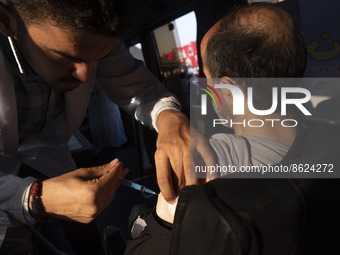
12, 197
128, 83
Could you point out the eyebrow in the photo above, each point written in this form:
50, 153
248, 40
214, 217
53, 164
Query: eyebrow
66, 55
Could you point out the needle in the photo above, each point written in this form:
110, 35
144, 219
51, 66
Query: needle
136, 186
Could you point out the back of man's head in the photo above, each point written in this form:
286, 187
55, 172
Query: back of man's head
258, 40
100, 16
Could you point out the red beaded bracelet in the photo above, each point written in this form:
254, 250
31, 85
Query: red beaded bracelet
38, 210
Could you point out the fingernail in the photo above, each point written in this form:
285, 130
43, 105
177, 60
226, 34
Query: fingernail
114, 161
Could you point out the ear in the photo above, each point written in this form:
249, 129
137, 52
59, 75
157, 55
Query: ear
228, 94
6, 20
227, 80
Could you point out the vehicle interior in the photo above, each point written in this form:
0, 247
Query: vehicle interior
156, 32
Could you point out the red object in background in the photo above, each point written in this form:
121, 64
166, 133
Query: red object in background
187, 54
170, 55
190, 54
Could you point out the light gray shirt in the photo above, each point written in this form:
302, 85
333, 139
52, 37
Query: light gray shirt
247, 150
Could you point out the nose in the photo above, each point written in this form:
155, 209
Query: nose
84, 71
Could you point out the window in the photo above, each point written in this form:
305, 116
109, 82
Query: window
177, 50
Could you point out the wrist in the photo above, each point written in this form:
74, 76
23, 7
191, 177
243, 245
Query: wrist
170, 118
163, 104
35, 203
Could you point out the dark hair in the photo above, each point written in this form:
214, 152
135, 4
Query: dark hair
101, 16
256, 41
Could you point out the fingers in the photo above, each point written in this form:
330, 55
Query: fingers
114, 171
179, 167
108, 183
202, 154
208, 158
82, 194
189, 178
98, 171
164, 176
207, 155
